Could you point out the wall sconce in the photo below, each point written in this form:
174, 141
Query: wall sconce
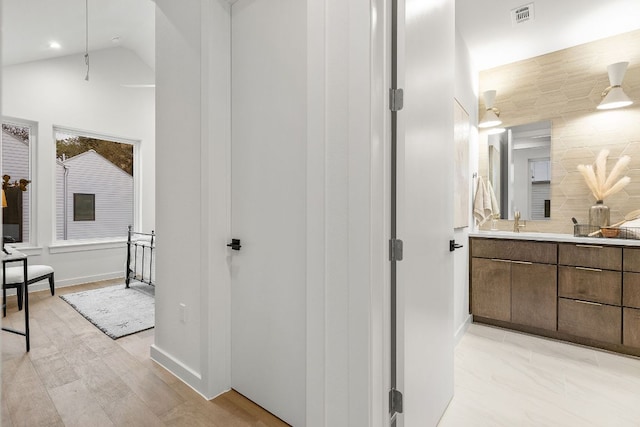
614, 96
492, 115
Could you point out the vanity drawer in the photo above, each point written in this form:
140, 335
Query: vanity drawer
631, 290
593, 256
590, 284
590, 320
631, 259
517, 250
631, 327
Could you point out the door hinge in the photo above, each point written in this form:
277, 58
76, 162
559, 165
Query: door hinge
395, 250
395, 401
396, 99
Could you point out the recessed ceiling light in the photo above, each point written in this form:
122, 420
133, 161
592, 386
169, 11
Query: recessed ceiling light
54, 45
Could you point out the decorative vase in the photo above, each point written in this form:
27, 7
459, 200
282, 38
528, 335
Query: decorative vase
599, 215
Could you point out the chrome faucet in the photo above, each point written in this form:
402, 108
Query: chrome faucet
516, 222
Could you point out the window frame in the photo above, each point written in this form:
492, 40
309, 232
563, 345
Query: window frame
76, 199
33, 177
71, 245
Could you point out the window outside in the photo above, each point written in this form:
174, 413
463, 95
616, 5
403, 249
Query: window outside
17, 142
94, 187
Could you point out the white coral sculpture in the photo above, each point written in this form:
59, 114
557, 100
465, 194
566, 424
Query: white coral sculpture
596, 177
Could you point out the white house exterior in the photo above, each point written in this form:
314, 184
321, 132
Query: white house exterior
90, 173
15, 163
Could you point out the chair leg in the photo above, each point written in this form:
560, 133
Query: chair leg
52, 285
4, 302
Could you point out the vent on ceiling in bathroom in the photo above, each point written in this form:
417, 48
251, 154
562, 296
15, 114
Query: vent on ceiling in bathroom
522, 14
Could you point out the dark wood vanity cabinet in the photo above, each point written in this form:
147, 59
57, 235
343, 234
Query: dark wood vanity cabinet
585, 293
514, 281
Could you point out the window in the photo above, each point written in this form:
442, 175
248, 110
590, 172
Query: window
94, 185
84, 207
18, 142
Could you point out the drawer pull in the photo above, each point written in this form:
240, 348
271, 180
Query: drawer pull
588, 302
599, 270
522, 262
500, 260
589, 246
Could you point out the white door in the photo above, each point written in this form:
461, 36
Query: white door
268, 300
425, 211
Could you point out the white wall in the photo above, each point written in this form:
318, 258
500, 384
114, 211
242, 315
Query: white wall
344, 157
466, 82
54, 92
179, 99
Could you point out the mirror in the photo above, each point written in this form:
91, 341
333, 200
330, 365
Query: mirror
520, 170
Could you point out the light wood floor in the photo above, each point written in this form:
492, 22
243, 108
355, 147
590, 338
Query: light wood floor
504, 378
75, 375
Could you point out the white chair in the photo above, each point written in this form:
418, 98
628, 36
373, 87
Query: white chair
14, 279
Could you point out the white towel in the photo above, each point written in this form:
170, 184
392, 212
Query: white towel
495, 206
481, 203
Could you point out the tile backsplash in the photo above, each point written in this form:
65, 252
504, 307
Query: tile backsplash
565, 87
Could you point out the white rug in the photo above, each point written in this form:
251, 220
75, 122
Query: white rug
116, 310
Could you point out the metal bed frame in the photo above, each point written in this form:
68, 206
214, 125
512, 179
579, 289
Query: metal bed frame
147, 249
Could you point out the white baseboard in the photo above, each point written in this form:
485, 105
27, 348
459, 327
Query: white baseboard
462, 330
179, 370
86, 279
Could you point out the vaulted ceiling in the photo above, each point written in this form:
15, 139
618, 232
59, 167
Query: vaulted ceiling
29, 26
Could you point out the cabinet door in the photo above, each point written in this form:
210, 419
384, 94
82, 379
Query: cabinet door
491, 288
590, 320
631, 329
534, 295
631, 259
631, 293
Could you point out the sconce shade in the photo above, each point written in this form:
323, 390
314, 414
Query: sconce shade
4, 200
490, 118
614, 96
496, 131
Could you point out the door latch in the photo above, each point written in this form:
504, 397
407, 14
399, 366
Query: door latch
453, 245
235, 244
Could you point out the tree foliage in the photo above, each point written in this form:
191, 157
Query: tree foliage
117, 153
20, 132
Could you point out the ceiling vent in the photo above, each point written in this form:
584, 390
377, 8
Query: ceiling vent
522, 14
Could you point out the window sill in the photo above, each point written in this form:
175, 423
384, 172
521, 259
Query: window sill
61, 247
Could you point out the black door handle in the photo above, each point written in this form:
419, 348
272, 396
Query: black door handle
453, 245
235, 244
